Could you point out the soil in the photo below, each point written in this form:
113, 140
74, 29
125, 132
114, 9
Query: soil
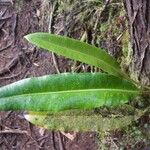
18, 60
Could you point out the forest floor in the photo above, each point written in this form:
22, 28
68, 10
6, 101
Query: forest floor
19, 60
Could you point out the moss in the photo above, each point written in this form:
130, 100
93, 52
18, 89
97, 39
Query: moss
127, 56
126, 51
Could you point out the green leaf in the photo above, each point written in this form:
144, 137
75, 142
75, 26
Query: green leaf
66, 91
76, 50
80, 120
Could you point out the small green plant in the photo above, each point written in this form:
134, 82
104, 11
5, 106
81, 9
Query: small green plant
67, 101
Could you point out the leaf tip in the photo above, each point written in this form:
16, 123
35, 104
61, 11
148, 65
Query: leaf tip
27, 37
26, 116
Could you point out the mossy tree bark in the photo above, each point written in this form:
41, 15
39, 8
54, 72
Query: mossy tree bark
138, 12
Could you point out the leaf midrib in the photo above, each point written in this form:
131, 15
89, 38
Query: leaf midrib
101, 60
75, 91
94, 57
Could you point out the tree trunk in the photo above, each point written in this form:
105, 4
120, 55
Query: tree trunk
138, 12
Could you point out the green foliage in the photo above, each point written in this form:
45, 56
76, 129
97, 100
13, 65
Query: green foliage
55, 93
80, 120
70, 99
76, 50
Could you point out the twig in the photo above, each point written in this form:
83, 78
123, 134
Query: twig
100, 13
53, 140
40, 139
5, 2
51, 16
121, 35
17, 131
7, 115
69, 136
55, 63
13, 131
5, 47
3, 13
13, 62
1, 25
6, 57
5, 18
61, 147
115, 145
50, 31
12, 76
9, 66
15, 19
74, 66
98, 20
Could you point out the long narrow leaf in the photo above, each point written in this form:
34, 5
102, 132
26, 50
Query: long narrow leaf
76, 50
80, 121
66, 91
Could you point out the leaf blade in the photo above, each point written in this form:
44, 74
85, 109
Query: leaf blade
76, 50
66, 91
80, 121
